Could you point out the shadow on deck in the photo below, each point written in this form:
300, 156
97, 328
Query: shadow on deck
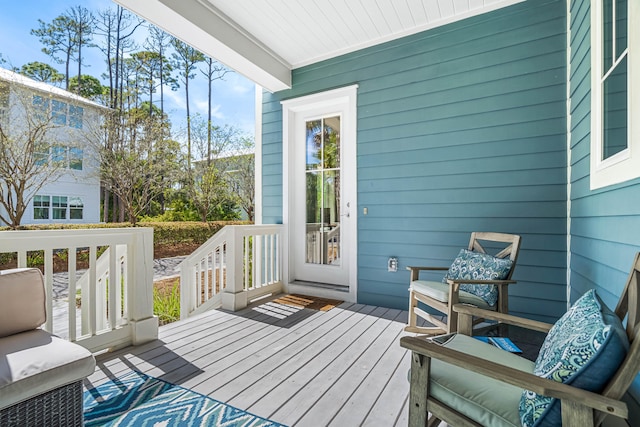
296, 366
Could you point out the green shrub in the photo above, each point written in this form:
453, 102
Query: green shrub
166, 305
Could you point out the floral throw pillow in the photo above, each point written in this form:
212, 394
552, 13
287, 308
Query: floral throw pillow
584, 348
479, 266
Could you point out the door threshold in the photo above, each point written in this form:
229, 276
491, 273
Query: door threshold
340, 288
320, 290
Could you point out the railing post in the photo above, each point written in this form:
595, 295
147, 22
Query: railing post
234, 297
144, 325
186, 290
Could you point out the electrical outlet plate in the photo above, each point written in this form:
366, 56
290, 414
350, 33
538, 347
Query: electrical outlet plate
392, 264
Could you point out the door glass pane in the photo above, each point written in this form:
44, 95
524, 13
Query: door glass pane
322, 140
331, 148
621, 27
314, 197
314, 144
614, 137
331, 217
607, 35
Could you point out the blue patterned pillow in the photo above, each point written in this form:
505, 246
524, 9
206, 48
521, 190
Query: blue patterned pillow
584, 348
478, 266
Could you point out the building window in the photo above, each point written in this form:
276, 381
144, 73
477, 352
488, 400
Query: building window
615, 46
41, 154
41, 207
41, 107
75, 116
75, 208
59, 155
75, 158
57, 207
59, 112
59, 204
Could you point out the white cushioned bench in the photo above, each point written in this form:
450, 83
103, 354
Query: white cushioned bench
40, 374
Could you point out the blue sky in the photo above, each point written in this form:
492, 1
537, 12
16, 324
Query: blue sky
233, 98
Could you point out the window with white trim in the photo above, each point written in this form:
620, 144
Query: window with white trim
60, 113
75, 116
57, 207
65, 157
615, 46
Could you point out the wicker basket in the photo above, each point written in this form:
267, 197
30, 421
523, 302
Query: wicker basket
61, 407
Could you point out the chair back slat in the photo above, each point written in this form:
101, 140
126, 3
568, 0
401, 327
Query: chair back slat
511, 250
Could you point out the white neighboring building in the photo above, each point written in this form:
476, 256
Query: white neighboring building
74, 197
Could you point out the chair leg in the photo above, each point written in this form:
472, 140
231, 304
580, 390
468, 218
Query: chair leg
412, 322
413, 303
433, 422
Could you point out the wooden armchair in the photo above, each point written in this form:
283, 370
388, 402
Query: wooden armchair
478, 365
443, 296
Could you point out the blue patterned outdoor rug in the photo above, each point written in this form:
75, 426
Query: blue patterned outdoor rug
138, 400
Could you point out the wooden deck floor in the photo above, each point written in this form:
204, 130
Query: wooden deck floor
299, 367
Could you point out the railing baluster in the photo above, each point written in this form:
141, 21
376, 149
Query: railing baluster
71, 286
92, 290
199, 286
247, 269
48, 286
223, 265
217, 269
22, 259
113, 287
207, 281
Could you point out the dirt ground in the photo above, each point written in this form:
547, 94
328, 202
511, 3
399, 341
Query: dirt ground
165, 286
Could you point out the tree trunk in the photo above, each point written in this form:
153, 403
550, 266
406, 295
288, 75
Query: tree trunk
105, 204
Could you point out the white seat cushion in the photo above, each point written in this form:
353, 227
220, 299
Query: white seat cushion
440, 291
35, 362
485, 400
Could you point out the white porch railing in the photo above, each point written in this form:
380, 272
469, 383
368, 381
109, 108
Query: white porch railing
109, 316
239, 263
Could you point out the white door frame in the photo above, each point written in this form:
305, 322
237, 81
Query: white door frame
345, 99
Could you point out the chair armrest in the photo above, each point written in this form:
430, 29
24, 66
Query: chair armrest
515, 377
470, 310
481, 282
412, 268
415, 271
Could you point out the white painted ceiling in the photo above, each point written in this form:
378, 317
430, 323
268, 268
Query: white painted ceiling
306, 31
266, 39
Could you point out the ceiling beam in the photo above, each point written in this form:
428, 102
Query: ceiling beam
207, 29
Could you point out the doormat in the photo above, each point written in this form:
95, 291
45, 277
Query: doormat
305, 301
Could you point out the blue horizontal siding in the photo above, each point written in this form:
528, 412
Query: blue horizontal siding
461, 128
605, 224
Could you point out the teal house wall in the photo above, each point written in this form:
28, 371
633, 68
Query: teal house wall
605, 223
460, 128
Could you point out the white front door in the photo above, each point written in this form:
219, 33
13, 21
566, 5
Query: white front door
320, 163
